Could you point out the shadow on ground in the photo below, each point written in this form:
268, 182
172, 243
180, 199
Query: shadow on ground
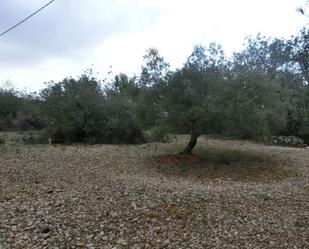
226, 164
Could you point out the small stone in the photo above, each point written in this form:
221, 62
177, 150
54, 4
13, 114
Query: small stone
46, 230
45, 236
90, 246
90, 236
133, 204
114, 215
81, 243
122, 242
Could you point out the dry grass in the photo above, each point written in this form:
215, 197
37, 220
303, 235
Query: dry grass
229, 194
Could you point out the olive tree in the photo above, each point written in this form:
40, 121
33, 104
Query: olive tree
189, 101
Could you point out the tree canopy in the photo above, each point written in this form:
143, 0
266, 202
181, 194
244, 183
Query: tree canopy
260, 91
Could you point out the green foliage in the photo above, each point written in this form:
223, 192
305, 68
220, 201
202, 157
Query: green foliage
300, 53
188, 93
155, 70
154, 74
158, 134
79, 111
122, 126
252, 106
18, 111
261, 91
304, 128
290, 141
34, 139
2, 140
9, 105
74, 108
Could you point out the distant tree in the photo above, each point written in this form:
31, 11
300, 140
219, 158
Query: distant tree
74, 108
78, 110
29, 114
9, 106
300, 53
255, 106
122, 96
122, 125
262, 90
155, 70
123, 85
258, 100
154, 74
19, 110
303, 10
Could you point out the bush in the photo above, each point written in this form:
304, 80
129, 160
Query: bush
34, 139
79, 112
290, 141
157, 134
304, 129
57, 135
27, 121
2, 140
121, 125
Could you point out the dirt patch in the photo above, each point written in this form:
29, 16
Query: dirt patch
177, 159
225, 164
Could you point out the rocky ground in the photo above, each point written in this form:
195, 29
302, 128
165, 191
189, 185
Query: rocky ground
231, 194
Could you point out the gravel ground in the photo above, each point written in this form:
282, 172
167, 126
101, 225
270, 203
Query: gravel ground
123, 196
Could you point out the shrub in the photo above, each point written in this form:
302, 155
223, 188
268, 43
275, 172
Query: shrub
157, 134
57, 135
304, 129
290, 141
78, 111
27, 121
121, 125
2, 140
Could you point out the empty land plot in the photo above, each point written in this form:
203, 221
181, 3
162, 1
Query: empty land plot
228, 194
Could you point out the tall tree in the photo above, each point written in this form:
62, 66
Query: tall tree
188, 100
155, 69
154, 73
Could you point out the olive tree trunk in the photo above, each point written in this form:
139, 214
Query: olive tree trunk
193, 139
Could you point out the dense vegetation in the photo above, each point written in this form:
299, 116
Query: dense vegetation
259, 92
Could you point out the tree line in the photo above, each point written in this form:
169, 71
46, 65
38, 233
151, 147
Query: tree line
260, 91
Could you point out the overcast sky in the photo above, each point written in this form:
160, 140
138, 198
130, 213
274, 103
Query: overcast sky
70, 36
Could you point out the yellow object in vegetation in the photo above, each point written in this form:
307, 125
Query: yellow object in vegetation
50, 141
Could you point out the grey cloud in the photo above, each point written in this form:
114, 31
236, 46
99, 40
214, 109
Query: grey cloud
67, 28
